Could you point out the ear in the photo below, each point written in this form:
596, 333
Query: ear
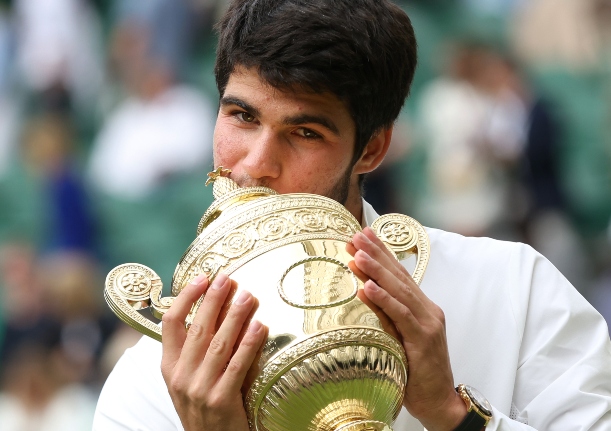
374, 152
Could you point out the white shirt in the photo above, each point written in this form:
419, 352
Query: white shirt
144, 141
517, 331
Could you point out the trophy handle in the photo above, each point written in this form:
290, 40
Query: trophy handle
131, 287
403, 236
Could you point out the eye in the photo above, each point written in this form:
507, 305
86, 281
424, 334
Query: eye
308, 134
245, 117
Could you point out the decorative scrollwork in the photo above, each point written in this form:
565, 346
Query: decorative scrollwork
134, 282
129, 288
309, 221
273, 228
403, 235
237, 243
339, 224
398, 234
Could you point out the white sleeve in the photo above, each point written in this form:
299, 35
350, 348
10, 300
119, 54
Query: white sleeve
135, 396
563, 378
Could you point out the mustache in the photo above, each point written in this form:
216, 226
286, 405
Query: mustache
246, 181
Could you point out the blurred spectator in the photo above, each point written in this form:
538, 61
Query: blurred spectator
53, 340
59, 46
474, 126
34, 398
9, 124
23, 302
566, 33
164, 127
50, 155
6, 49
494, 158
8, 111
71, 284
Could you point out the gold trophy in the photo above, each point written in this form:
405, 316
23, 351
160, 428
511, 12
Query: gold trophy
327, 365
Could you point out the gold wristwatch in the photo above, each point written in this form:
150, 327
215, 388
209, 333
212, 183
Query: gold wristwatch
479, 410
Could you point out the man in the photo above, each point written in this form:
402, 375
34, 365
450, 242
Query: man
309, 93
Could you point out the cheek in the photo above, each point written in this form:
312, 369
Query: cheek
227, 146
315, 174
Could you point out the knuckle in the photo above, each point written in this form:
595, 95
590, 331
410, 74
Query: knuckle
175, 385
197, 394
250, 340
168, 318
195, 330
439, 314
217, 346
234, 367
404, 313
215, 402
407, 289
236, 311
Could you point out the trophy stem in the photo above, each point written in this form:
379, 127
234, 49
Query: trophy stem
348, 415
365, 426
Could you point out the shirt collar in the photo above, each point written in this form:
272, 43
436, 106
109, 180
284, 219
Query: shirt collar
369, 214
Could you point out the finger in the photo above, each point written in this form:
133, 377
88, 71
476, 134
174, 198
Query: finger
406, 293
371, 236
245, 357
233, 288
355, 269
401, 315
246, 324
255, 369
173, 321
351, 249
202, 329
373, 246
387, 325
222, 344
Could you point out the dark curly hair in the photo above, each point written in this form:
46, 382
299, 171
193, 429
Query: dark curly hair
362, 51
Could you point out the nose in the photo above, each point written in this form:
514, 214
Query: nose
263, 161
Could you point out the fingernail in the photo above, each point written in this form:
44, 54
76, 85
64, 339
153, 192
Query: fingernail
372, 286
364, 237
219, 281
243, 297
364, 254
198, 279
254, 326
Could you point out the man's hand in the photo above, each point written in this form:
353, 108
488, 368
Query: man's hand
204, 368
429, 395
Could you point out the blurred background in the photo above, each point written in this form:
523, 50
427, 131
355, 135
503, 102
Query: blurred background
106, 116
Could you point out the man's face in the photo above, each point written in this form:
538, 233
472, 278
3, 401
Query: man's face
292, 142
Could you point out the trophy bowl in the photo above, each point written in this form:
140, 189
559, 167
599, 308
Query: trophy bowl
328, 364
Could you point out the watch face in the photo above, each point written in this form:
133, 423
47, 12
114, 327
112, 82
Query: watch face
479, 400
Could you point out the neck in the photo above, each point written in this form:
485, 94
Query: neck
354, 203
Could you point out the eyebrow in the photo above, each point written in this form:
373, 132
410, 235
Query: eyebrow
316, 119
289, 121
229, 100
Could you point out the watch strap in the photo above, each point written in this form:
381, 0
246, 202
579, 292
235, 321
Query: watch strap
472, 422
